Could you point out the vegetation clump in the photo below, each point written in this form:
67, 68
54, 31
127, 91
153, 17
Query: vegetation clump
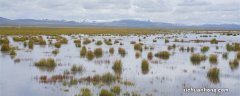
111, 50
122, 51
105, 92
233, 64
57, 44
108, 42
46, 63
55, 52
238, 55
98, 52
225, 55
197, 58
86, 41
204, 49
90, 55
214, 41
163, 55
213, 59
85, 92
150, 55
137, 54
145, 66
213, 75
20, 38
166, 41
116, 90
13, 52
233, 47
83, 51
138, 46
77, 69
5, 47
117, 67
99, 42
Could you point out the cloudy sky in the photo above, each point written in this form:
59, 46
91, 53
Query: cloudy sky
172, 11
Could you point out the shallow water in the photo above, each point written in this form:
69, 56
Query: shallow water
165, 77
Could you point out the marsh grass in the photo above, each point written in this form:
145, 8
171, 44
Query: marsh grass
55, 51
105, 92
238, 55
234, 64
213, 59
213, 75
166, 41
86, 41
77, 69
163, 55
13, 52
48, 63
116, 89
108, 42
31, 44
5, 47
122, 51
90, 55
98, 52
138, 54
197, 58
150, 55
204, 49
85, 92
111, 50
225, 55
20, 38
145, 66
233, 47
83, 51
99, 42
138, 46
117, 67
214, 41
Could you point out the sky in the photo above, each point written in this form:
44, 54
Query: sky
170, 11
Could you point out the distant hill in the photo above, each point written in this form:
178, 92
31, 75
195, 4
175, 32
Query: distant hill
121, 23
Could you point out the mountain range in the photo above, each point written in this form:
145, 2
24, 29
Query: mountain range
128, 23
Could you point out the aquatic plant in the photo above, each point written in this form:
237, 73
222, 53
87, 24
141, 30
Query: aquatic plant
90, 55
204, 49
122, 51
5, 47
233, 64
105, 92
30, 44
213, 59
46, 63
233, 47
197, 58
85, 92
117, 67
55, 51
77, 41
225, 55
111, 50
213, 75
99, 42
163, 55
214, 41
83, 51
116, 89
13, 52
77, 69
86, 41
150, 55
108, 78
20, 38
57, 44
138, 46
145, 66
98, 52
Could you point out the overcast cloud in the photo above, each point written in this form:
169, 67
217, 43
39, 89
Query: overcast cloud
172, 11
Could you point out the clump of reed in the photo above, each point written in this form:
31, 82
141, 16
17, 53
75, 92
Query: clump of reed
213, 59
86, 41
116, 89
98, 52
150, 55
20, 38
105, 92
13, 52
163, 55
77, 43
138, 54
233, 47
197, 58
90, 55
111, 50
213, 74
57, 44
214, 41
30, 44
5, 47
122, 51
233, 64
117, 67
46, 63
108, 42
55, 51
85, 92
204, 49
138, 46
77, 69
238, 55
145, 66
99, 42
83, 51
225, 55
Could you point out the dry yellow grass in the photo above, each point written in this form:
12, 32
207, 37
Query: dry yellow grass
68, 30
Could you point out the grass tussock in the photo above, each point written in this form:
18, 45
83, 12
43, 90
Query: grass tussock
116, 89
122, 52
108, 41
138, 54
13, 53
225, 55
150, 55
83, 51
30, 44
99, 42
20, 38
5, 47
163, 55
204, 49
55, 51
105, 92
138, 46
86, 41
90, 55
233, 47
77, 69
213, 75
47, 63
145, 66
117, 67
238, 55
58, 44
214, 41
111, 50
233, 64
213, 59
98, 52
197, 58
85, 92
